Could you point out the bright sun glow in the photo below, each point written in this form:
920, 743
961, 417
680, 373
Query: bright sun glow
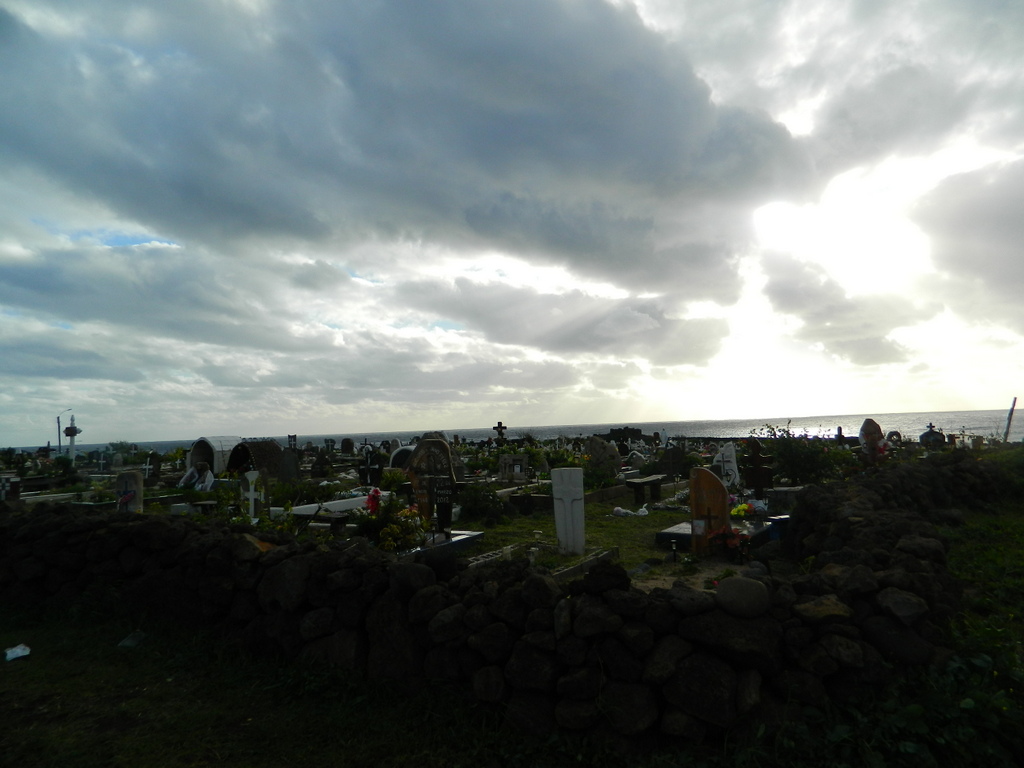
860, 232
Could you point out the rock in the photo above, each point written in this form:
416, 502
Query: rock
630, 708
531, 668
822, 609
901, 605
742, 597
493, 642
923, 548
689, 601
676, 723
428, 602
603, 576
844, 650
283, 587
394, 653
661, 663
896, 642
316, 623
576, 714
532, 713
581, 683
748, 690
704, 687
754, 643
406, 579
562, 617
489, 684
345, 649
593, 617
447, 624
637, 637
541, 591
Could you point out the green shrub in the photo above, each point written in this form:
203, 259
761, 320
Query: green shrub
480, 501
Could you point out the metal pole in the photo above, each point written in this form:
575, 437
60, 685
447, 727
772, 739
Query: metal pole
1009, 419
58, 429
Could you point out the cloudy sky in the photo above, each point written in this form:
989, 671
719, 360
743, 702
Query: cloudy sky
261, 217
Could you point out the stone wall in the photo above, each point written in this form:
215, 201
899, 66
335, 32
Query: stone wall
867, 595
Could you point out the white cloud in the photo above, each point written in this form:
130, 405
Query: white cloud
291, 215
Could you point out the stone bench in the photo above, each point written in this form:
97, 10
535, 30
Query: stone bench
639, 483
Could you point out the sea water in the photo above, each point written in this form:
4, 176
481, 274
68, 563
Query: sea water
987, 424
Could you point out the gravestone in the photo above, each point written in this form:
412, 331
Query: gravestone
500, 429
329, 443
348, 446
672, 461
321, 465
10, 487
128, 488
635, 459
512, 467
252, 495
393, 445
293, 442
604, 460
873, 446
117, 462
567, 491
709, 504
932, 440
289, 471
400, 457
724, 464
759, 474
432, 472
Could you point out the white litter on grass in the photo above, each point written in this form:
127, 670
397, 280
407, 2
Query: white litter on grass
17, 652
621, 512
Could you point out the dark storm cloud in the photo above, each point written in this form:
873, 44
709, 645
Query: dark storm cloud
545, 125
975, 223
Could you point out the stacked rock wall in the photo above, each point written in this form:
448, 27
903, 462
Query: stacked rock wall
870, 595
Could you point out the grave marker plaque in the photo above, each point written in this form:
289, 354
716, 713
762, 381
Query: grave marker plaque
128, 488
567, 490
252, 496
431, 462
709, 504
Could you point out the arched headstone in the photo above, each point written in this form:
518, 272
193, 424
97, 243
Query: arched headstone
709, 505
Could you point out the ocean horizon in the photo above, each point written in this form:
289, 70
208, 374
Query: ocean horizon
987, 424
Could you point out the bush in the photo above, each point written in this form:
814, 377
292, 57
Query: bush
480, 501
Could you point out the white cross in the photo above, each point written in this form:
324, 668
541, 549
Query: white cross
147, 467
252, 495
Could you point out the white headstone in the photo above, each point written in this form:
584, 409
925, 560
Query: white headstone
129, 492
725, 461
251, 494
567, 489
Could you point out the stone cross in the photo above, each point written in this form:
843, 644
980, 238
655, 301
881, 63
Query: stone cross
252, 495
103, 460
500, 429
567, 490
759, 474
